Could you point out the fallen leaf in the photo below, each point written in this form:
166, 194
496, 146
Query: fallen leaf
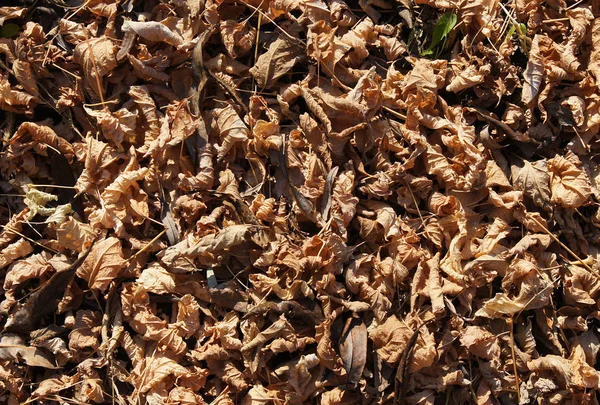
533, 179
103, 264
153, 31
13, 348
353, 350
569, 183
280, 58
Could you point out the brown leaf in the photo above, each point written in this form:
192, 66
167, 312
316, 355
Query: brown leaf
232, 129
480, 342
52, 386
116, 126
238, 38
280, 58
353, 350
97, 56
227, 238
569, 183
470, 75
138, 314
153, 31
13, 348
390, 339
103, 264
534, 73
75, 235
533, 179
44, 300
30, 134
85, 333
14, 251
531, 296
26, 77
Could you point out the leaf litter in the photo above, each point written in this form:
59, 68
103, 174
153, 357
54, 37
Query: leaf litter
282, 202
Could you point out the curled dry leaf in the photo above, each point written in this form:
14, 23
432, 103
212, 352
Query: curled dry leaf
534, 73
568, 182
480, 342
44, 300
15, 251
39, 136
153, 31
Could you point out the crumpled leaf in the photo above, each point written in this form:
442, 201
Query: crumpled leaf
232, 129
153, 31
480, 342
86, 331
534, 73
390, 339
293, 205
15, 251
569, 183
227, 238
44, 300
138, 314
238, 38
529, 297
39, 136
75, 235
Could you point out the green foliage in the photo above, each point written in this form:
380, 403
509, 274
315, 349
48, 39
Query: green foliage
443, 27
9, 30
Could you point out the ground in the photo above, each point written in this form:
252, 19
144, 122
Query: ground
298, 202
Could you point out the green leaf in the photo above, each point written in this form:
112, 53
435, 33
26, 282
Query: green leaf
510, 33
442, 28
9, 30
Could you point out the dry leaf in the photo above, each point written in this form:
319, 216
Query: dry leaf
534, 73
353, 350
533, 179
280, 58
153, 31
103, 264
14, 251
340, 238
13, 348
569, 183
97, 57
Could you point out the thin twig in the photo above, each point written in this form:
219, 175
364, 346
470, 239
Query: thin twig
157, 237
514, 359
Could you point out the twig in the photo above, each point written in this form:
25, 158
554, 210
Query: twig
514, 359
29, 239
396, 113
157, 237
